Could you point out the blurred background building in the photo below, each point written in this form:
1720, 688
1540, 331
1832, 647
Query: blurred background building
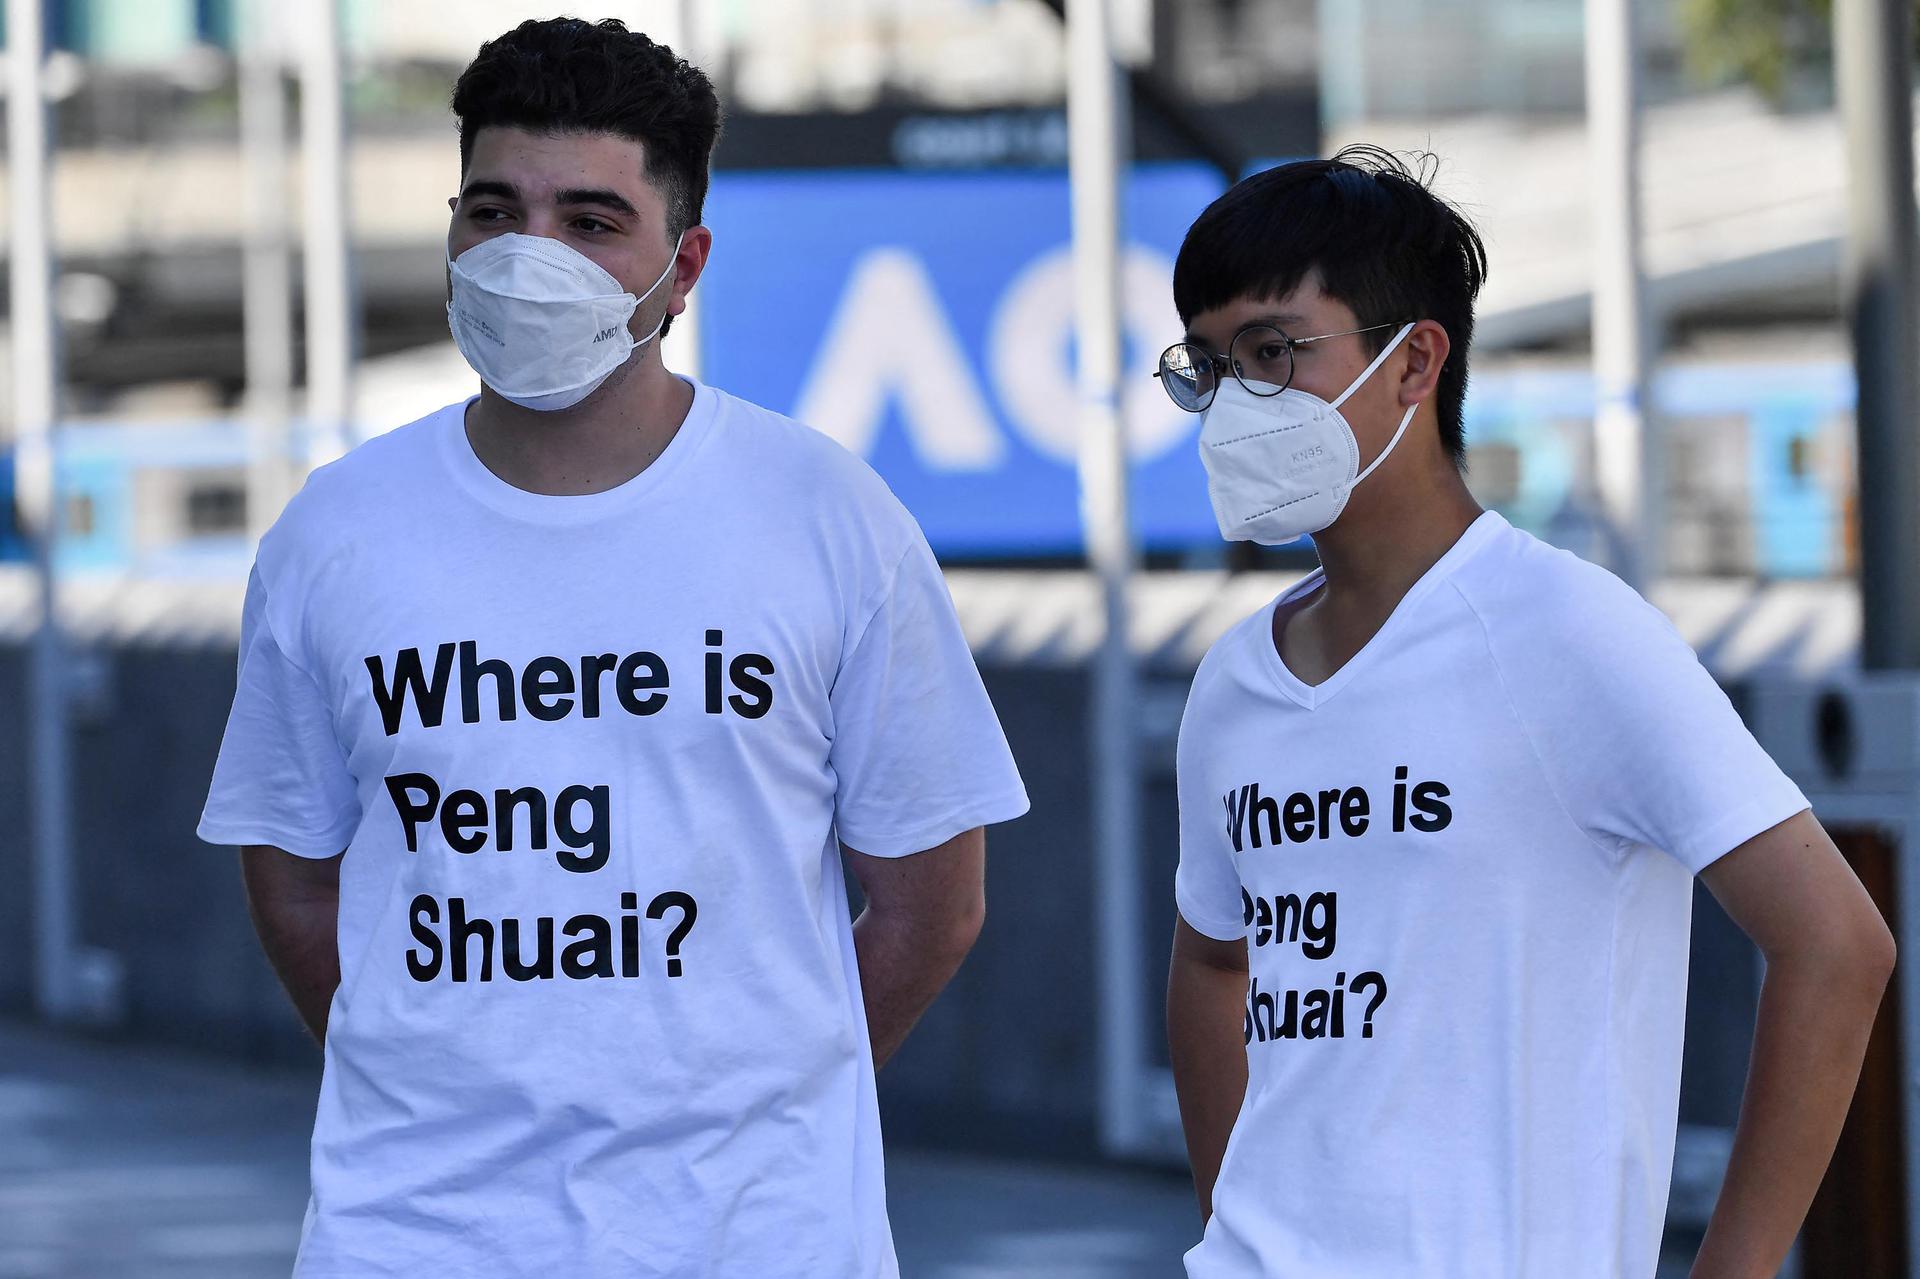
892, 264
879, 102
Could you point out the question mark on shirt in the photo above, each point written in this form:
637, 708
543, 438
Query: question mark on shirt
1379, 985
658, 908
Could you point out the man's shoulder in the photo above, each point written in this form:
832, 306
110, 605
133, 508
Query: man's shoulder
375, 465
1236, 646
1547, 612
379, 479
799, 458
1517, 580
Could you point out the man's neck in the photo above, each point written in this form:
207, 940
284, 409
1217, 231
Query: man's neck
598, 444
1371, 563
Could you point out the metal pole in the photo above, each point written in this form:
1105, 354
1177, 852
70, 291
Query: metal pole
1873, 70
331, 326
1628, 471
35, 410
1098, 147
1343, 60
677, 25
1873, 45
267, 286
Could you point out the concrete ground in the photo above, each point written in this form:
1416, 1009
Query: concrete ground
119, 1162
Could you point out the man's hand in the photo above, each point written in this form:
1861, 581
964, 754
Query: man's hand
1206, 993
295, 905
1829, 955
923, 913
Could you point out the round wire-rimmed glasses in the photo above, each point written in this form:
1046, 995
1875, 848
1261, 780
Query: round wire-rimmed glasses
1260, 357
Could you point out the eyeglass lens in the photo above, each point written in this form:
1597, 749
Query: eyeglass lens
1187, 373
1261, 357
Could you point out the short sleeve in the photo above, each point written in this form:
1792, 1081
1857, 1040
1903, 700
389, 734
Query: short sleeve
917, 750
1206, 884
281, 777
1642, 746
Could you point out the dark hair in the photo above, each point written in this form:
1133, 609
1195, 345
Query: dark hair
1367, 225
567, 75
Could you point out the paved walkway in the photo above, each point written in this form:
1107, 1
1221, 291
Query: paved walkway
121, 1162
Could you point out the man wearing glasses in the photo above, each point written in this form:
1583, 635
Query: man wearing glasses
1441, 805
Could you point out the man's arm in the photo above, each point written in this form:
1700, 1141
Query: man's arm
1206, 993
295, 905
1829, 955
923, 914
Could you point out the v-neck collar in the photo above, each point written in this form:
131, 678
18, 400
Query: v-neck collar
1311, 696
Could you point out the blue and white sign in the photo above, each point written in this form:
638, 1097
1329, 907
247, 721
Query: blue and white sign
925, 320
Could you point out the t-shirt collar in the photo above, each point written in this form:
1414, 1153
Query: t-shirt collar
1484, 527
473, 477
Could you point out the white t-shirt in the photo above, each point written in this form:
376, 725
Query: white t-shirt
1463, 868
609, 742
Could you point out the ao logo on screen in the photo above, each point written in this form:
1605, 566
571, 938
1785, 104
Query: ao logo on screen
891, 343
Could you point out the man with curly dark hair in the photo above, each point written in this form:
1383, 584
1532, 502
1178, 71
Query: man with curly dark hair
1442, 807
562, 713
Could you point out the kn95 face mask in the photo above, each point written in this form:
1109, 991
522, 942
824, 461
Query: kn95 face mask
540, 322
1281, 466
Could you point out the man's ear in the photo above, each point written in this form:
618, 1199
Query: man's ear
690, 263
1427, 350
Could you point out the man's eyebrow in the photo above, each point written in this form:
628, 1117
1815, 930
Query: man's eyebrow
505, 190
601, 196
1273, 321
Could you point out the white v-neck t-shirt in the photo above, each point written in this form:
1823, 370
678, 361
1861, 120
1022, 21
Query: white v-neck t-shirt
591, 759
1463, 869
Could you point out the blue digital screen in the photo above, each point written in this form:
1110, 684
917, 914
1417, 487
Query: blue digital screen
926, 321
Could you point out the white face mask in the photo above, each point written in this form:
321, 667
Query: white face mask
541, 323
1282, 466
